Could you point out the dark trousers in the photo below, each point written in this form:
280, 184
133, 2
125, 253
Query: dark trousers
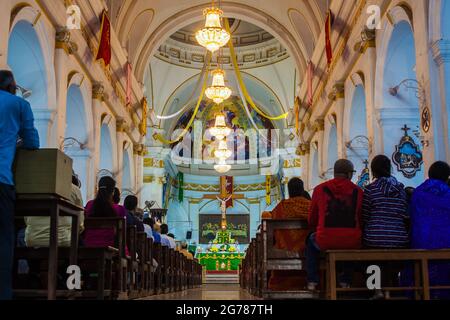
7, 201
312, 254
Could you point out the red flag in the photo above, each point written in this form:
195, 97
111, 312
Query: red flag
328, 47
310, 76
104, 48
128, 93
230, 187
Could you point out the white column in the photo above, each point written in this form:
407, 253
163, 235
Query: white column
61, 63
5, 15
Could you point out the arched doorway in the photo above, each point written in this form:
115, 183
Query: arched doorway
358, 144
26, 60
77, 136
106, 150
399, 113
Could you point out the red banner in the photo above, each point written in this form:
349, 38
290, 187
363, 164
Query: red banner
328, 48
104, 48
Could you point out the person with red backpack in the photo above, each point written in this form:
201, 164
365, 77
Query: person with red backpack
335, 220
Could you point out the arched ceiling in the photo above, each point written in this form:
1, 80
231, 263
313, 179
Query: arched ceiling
142, 25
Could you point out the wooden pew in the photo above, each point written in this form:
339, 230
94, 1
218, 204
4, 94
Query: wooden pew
158, 273
143, 249
277, 259
165, 270
134, 285
419, 258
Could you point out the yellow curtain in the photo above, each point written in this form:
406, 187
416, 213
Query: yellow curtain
241, 81
191, 121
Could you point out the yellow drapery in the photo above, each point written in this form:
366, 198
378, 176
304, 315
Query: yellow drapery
241, 81
197, 107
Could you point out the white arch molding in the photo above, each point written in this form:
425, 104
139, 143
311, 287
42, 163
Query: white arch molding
232, 10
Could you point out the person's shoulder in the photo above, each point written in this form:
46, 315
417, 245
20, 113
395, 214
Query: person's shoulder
11, 98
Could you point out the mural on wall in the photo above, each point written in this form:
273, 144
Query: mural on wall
236, 119
407, 155
238, 224
364, 178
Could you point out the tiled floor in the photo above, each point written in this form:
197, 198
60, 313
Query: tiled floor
208, 292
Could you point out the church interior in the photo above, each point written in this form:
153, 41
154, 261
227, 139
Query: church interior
206, 120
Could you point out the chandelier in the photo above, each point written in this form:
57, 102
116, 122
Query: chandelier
222, 152
218, 92
222, 167
220, 130
212, 36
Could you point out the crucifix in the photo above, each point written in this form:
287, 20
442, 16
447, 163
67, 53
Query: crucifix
226, 194
406, 129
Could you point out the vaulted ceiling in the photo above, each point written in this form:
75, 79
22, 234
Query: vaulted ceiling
142, 25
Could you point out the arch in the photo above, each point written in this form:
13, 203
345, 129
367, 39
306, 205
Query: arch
394, 111
332, 149
357, 120
233, 10
127, 170
106, 149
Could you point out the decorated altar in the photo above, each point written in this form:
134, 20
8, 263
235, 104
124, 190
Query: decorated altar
222, 254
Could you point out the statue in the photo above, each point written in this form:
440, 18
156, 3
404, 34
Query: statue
223, 210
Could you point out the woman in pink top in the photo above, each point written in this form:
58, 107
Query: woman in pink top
102, 206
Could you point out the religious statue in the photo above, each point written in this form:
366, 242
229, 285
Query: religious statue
223, 210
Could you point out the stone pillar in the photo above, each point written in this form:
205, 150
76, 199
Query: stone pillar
338, 96
441, 102
319, 126
198, 142
253, 145
5, 20
98, 96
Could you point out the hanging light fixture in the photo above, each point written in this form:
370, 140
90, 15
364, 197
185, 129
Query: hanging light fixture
212, 36
220, 130
222, 152
218, 92
222, 167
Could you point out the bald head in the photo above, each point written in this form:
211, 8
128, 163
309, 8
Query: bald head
344, 168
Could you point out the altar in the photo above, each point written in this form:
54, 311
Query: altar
222, 254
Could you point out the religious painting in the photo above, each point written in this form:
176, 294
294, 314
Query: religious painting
237, 224
407, 156
235, 117
364, 177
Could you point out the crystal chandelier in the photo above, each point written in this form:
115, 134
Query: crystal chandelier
222, 152
212, 36
218, 92
222, 167
220, 130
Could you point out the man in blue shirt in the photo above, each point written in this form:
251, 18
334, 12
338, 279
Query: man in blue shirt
16, 122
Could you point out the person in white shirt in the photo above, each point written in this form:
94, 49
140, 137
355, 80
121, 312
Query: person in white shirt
164, 232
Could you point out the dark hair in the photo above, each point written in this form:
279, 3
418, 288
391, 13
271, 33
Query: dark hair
7, 82
184, 245
148, 221
164, 229
102, 204
439, 170
381, 166
130, 203
171, 235
296, 188
116, 196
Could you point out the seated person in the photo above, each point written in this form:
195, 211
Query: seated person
148, 223
297, 206
185, 252
335, 220
163, 240
37, 232
103, 206
430, 223
130, 203
164, 235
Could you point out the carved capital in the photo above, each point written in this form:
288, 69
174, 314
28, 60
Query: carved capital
337, 92
122, 125
303, 149
139, 150
441, 52
319, 125
98, 92
63, 41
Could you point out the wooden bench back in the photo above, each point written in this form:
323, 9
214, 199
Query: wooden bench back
116, 223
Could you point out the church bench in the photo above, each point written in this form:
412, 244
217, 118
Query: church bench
419, 258
275, 259
166, 285
134, 285
157, 255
